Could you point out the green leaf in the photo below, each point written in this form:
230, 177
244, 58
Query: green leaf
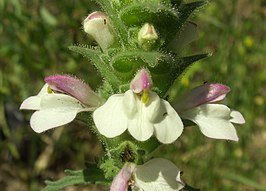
163, 17
151, 59
187, 61
184, 37
104, 68
91, 175
127, 63
165, 80
185, 10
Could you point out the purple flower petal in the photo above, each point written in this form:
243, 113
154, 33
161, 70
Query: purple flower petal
73, 87
207, 93
142, 81
120, 182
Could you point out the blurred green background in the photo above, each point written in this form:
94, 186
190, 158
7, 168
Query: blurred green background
34, 37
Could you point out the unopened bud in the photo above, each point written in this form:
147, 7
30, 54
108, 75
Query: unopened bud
147, 36
97, 25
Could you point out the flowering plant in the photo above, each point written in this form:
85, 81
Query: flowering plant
138, 53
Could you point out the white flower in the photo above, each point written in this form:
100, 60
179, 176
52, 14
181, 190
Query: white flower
56, 109
214, 120
157, 175
139, 110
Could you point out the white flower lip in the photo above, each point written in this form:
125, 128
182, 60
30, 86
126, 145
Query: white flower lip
53, 110
126, 111
214, 121
156, 174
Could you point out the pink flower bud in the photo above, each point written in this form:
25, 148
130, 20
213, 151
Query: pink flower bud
73, 87
142, 81
97, 25
120, 182
200, 95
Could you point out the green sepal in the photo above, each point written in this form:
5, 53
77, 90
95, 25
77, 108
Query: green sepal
105, 90
126, 64
90, 175
163, 17
110, 167
104, 68
139, 13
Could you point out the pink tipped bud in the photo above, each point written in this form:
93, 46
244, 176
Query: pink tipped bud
120, 182
200, 95
142, 81
73, 87
97, 25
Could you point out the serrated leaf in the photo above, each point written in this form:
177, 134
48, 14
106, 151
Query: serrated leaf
91, 175
104, 68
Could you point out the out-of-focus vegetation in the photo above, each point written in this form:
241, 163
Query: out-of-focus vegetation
34, 37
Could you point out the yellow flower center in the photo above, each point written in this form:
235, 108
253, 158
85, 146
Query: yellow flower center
49, 90
145, 97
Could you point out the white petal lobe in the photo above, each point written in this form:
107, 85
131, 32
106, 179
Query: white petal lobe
213, 121
55, 110
170, 127
31, 103
237, 117
110, 119
158, 175
34, 102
